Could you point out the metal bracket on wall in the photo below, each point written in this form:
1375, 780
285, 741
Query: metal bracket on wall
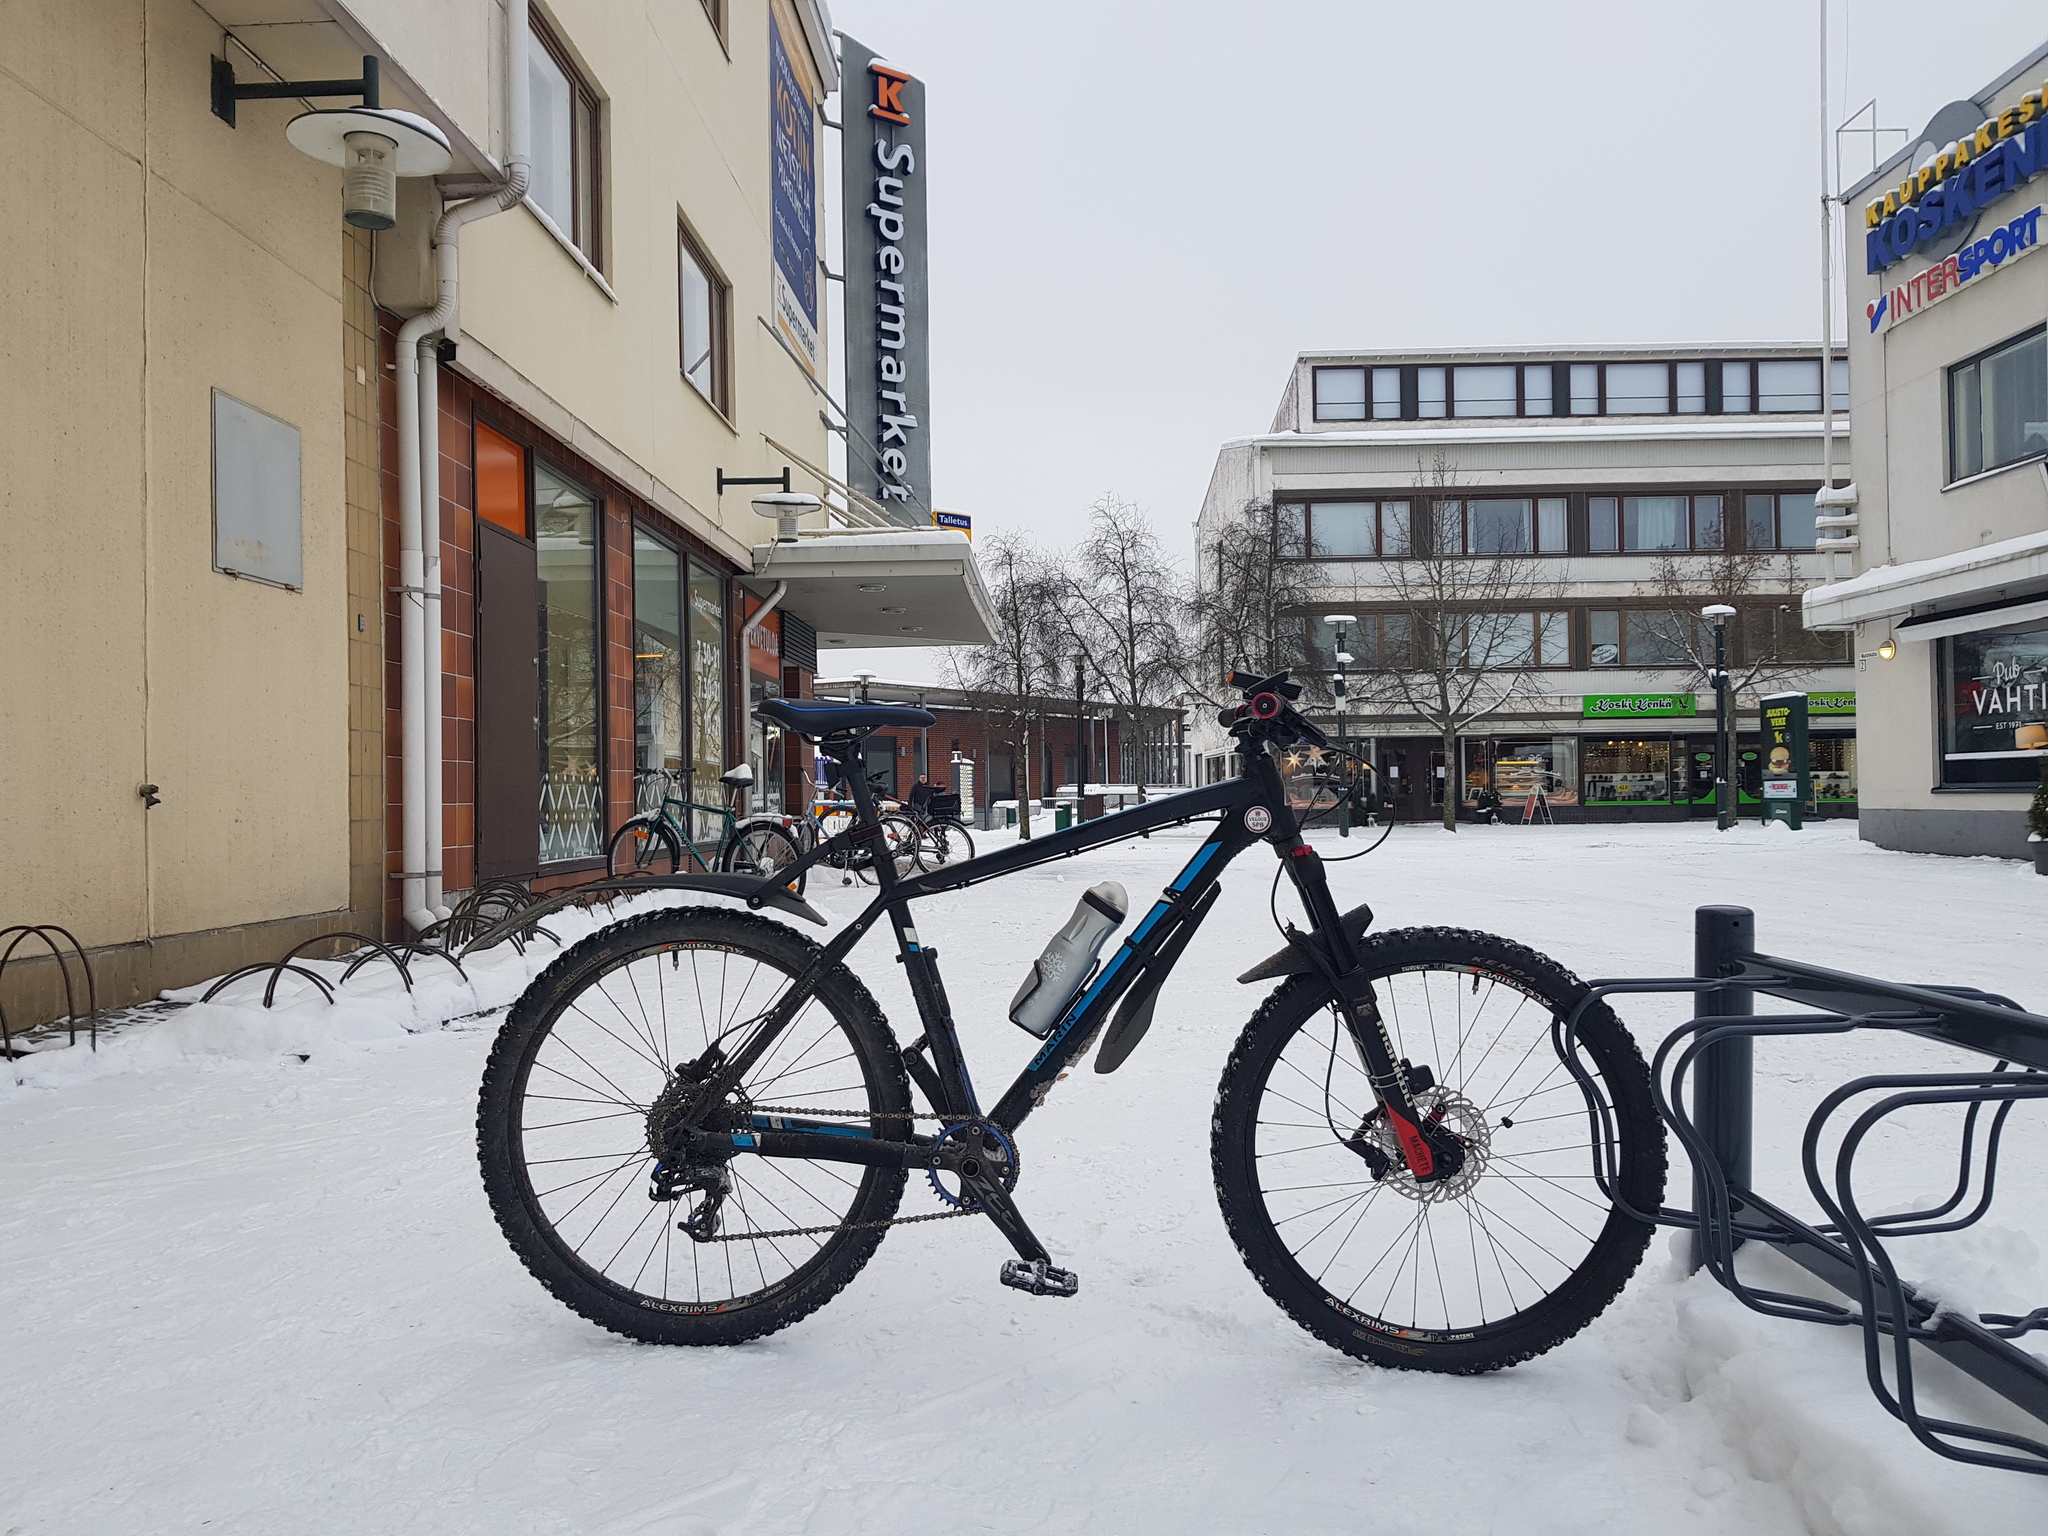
781, 480
226, 92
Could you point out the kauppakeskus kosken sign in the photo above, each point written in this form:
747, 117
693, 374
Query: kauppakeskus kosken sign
888, 371
1938, 203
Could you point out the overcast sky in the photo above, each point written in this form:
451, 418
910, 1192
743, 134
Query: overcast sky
1141, 212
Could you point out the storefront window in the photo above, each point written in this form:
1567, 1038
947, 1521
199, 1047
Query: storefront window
571, 792
1634, 772
1994, 728
1517, 767
1832, 762
658, 664
707, 691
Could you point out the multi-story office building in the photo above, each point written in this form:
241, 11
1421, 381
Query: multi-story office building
287, 653
1946, 586
1632, 486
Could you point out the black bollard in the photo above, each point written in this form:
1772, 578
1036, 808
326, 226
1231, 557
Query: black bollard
1723, 1084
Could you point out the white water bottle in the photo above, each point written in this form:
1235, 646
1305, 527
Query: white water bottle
1069, 959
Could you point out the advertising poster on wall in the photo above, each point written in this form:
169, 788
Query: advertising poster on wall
793, 182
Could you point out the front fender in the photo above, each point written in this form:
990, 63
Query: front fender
1290, 961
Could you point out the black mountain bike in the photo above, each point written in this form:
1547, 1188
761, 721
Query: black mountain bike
696, 1125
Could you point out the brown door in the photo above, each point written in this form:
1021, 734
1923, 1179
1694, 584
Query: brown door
507, 705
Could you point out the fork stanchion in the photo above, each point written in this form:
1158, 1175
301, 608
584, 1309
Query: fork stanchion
1723, 1082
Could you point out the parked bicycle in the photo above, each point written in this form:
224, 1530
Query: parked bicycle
1429, 1144
942, 837
827, 816
660, 842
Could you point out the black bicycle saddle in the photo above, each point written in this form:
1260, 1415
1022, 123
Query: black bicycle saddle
818, 717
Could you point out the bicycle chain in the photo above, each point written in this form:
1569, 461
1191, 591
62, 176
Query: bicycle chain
848, 1226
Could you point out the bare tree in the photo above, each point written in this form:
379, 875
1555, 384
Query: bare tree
1007, 679
1462, 621
1119, 603
1768, 646
1246, 613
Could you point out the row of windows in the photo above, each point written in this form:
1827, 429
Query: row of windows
1430, 392
1607, 637
1998, 406
567, 184
1543, 525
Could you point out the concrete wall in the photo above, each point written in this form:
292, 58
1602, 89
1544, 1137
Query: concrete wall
157, 255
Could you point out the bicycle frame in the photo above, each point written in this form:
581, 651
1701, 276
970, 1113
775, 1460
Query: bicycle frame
1250, 808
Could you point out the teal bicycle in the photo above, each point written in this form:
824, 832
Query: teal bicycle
660, 842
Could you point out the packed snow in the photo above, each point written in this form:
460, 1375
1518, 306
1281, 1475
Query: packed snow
252, 1283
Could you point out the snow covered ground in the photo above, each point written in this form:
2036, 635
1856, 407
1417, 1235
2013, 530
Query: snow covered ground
252, 1284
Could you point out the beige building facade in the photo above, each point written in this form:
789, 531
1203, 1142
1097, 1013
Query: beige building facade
1630, 486
203, 730
1943, 579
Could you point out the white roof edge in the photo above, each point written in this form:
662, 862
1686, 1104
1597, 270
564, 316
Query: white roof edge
1408, 434
817, 24
1590, 352
1891, 590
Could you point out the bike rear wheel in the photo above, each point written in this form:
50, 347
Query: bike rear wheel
761, 848
943, 842
574, 1123
1497, 1263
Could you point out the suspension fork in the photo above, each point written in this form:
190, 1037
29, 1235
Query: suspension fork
1357, 1003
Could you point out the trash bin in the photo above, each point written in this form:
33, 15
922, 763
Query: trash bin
1062, 818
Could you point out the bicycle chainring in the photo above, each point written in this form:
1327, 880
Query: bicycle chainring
963, 1148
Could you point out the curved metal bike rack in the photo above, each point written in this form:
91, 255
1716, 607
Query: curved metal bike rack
1714, 1055
64, 955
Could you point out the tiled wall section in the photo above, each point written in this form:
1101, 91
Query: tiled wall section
461, 404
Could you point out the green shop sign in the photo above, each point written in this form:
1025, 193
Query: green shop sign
1831, 703
1639, 706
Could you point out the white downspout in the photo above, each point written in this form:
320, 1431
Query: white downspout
419, 577
433, 792
746, 663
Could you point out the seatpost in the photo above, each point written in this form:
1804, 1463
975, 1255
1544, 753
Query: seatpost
855, 773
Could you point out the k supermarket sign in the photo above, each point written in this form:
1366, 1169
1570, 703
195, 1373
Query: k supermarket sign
888, 367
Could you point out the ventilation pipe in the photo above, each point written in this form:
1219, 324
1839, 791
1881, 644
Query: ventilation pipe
419, 477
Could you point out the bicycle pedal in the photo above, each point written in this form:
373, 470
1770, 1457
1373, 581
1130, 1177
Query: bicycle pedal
1039, 1278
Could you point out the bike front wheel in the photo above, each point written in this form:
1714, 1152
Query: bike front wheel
1507, 1257
576, 1130
644, 846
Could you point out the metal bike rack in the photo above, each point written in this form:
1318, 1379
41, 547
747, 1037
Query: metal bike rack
1850, 1251
65, 952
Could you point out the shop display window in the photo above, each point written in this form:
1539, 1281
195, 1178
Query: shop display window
1627, 772
571, 798
1832, 764
1517, 766
1994, 708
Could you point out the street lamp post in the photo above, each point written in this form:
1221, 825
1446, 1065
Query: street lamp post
1342, 623
1718, 615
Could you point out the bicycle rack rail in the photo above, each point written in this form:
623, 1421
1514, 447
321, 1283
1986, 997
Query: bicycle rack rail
1849, 1250
63, 955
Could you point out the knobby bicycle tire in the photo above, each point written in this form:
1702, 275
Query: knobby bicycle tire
579, 1076
1295, 1135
